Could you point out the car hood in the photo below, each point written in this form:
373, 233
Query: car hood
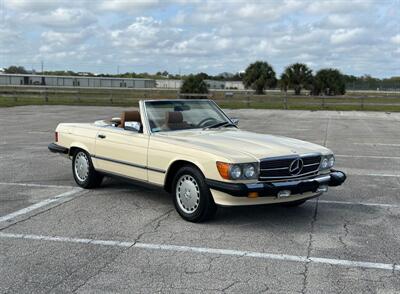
234, 142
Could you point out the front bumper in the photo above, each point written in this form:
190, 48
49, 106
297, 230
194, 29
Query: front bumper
271, 189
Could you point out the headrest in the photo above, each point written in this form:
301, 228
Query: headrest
130, 116
174, 117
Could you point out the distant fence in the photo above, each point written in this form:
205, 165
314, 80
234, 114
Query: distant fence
368, 100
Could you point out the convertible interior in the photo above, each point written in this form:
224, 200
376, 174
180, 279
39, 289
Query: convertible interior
173, 120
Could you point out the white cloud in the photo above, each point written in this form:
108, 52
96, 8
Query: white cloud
61, 17
126, 5
339, 20
142, 33
357, 36
339, 6
59, 41
343, 36
38, 5
395, 39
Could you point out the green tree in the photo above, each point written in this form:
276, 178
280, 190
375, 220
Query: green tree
297, 76
15, 70
204, 76
194, 84
329, 81
259, 76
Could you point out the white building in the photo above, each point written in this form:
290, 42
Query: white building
215, 85
74, 81
234, 85
169, 84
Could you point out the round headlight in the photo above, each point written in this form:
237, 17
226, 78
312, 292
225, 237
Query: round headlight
236, 172
331, 161
324, 163
249, 171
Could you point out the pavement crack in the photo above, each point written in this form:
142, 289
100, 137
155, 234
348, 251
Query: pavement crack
156, 224
106, 264
309, 249
346, 232
42, 211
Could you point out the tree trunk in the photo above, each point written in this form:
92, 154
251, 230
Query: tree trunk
260, 90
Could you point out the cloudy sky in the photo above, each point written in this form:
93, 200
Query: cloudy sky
358, 37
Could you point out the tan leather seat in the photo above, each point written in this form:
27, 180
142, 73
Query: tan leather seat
174, 120
133, 115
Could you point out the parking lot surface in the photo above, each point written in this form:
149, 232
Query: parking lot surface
123, 237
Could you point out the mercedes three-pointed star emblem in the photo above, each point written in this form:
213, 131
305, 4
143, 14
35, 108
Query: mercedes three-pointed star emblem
296, 166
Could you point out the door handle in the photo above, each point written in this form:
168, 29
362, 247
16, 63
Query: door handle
101, 136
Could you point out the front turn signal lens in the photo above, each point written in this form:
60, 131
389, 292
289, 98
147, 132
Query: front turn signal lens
252, 195
223, 169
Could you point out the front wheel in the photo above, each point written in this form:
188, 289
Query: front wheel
84, 173
191, 195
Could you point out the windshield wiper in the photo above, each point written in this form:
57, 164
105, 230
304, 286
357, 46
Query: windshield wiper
220, 124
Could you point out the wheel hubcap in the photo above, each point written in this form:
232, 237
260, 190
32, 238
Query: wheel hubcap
187, 194
81, 166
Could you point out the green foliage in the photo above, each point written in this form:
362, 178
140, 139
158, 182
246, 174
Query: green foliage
329, 82
194, 84
259, 76
367, 82
15, 70
297, 76
62, 73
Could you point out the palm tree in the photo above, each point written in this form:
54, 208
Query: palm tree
329, 81
259, 76
297, 76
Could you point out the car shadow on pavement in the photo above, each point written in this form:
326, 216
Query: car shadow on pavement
274, 214
270, 215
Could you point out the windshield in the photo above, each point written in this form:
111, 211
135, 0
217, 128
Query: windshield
184, 114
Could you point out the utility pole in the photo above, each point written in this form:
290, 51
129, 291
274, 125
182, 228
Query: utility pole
42, 66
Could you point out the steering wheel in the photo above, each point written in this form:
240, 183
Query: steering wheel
207, 122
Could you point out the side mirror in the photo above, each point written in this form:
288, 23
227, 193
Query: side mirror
115, 121
235, 121
132, 126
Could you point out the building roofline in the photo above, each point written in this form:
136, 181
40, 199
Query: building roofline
81, 77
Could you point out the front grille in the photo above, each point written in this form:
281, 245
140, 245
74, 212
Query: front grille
277, 168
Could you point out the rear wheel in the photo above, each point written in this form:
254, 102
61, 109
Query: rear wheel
191, 195
84, 173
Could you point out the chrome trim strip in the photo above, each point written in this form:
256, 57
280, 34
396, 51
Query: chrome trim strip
278, 168
129, 164
288, 177
292, 156
142, 103
145, 118
311, 164
287, 157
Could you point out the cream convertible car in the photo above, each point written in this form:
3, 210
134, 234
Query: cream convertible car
192, 149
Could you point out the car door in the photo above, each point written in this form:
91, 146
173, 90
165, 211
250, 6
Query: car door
122, 152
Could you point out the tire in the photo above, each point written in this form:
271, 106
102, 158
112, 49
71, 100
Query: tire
294, 203
84, 173
192, 197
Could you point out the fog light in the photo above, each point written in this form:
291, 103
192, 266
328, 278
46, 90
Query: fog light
252, 195
322, 189
284, 193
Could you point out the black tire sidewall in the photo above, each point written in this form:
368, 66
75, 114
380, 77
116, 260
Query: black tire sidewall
206, 206
92, 178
